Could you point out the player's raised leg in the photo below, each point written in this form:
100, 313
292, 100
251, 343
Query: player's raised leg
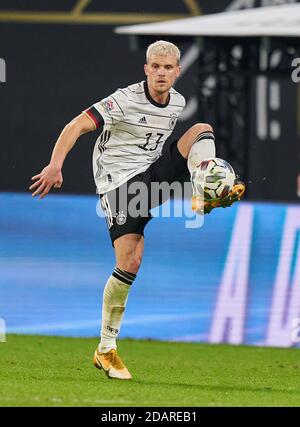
196, 145
129, 251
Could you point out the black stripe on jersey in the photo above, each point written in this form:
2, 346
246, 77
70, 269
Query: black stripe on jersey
94, 114
174, 92
147, 103
145, 127
141, 103
126, 131
104, 138
118, 105
122, 92
147, 113
133, 91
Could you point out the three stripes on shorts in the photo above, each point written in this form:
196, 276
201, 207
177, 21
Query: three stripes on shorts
107, 210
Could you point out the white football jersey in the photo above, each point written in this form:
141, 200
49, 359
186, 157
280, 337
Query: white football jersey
135, 129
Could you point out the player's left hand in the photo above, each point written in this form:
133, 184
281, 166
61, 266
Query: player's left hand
50, 177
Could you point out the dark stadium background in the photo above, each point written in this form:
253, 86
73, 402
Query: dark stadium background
55, 70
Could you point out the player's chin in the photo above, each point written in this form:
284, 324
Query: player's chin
163, 87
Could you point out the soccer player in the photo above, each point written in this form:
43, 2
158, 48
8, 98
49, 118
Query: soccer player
134, 122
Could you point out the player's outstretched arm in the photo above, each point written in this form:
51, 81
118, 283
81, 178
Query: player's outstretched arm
51, 175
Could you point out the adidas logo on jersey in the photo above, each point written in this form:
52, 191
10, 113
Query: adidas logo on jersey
143, 120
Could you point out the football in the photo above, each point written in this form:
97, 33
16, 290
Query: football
214, 178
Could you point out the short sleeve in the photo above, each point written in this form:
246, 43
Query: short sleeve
109, 110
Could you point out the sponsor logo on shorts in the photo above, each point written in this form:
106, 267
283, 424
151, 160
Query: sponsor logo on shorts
121, 218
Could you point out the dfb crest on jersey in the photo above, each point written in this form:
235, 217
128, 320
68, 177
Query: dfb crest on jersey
121, 218
108, 105
173, 120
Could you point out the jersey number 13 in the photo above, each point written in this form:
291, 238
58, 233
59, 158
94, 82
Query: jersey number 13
148, 138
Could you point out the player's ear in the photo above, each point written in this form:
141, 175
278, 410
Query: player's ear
178, 71
146, 69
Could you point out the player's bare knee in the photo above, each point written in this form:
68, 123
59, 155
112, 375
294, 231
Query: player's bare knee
130, 261
132, 265
198, 128
195, 131
188, 139
136, 262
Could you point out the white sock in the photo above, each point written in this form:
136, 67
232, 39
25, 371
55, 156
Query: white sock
115, 297
203, 148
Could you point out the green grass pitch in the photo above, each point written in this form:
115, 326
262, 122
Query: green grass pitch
54, 371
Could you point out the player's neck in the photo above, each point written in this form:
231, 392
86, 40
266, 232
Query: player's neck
158, 98
161, 98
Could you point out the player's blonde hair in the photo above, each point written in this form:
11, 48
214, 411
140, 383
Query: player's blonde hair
164, 48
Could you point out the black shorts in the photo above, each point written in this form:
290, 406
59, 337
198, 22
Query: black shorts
117, 204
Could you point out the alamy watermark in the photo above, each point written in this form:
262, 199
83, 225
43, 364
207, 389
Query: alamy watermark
2, 330
2, 70
296, 72
138, 199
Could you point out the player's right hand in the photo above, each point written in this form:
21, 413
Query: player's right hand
50, 176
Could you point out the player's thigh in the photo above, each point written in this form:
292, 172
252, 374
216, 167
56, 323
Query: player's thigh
167, 175
123, 214
189, 137
170, 166
129, 250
